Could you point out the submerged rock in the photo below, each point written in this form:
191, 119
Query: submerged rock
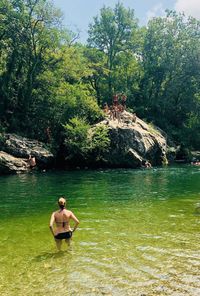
132, 142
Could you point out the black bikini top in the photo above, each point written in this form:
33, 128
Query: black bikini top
62, 222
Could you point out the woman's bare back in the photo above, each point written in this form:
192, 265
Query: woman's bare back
62, 218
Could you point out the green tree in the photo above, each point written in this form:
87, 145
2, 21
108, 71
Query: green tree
76, 140
29, 31
85, 144
112, 33
96, 61
42, 73
171, 72
62, 93
98, 142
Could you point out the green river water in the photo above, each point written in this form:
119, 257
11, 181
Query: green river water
138, 234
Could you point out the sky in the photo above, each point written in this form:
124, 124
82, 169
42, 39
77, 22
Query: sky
79, 13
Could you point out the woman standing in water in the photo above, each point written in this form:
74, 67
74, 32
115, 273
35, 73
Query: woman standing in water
61, 219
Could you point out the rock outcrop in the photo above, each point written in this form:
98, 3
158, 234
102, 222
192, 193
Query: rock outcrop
23, 147
132, 142
15, 151
10, 164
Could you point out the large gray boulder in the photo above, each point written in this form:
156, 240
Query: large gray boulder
10, 164
132, 142
22, 147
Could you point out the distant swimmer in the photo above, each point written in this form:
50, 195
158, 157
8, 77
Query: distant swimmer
31, 161
197, 163
61, 219
147, 164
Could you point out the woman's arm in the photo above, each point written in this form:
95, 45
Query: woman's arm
73, 217
52, 220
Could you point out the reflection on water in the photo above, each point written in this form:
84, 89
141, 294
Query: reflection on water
139, 233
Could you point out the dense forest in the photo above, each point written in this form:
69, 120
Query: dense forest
52, 87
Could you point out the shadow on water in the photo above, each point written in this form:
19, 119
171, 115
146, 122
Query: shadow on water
197, 210
54, 255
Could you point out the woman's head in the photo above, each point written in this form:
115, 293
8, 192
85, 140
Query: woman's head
62, 202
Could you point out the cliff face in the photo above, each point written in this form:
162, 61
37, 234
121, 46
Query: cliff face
133, 142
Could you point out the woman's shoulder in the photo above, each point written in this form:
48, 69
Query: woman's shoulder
67, 212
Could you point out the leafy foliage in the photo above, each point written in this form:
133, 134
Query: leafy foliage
170, 84
41, 73
113, 33
84, 144
99, 142
76, 140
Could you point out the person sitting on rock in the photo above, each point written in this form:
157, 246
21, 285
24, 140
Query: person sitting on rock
124, 98
48, 134
115, 100
112, 112
115, 112
120, 110
105, 108
134, 117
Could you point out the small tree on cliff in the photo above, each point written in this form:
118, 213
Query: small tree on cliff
85, 144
